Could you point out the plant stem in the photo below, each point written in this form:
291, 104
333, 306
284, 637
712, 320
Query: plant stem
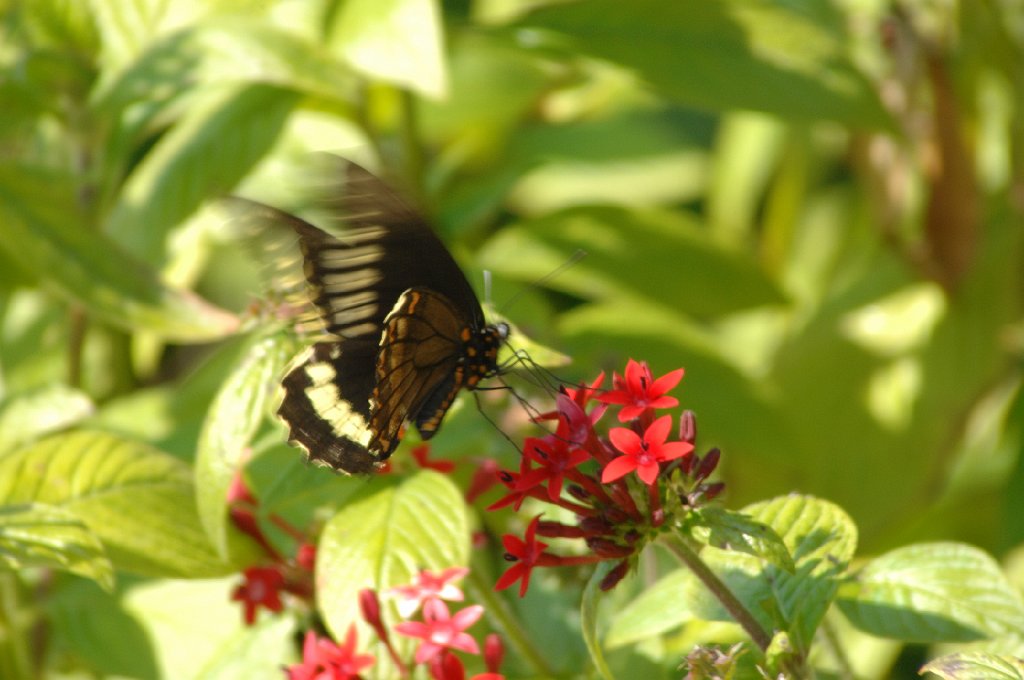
714, 584
412, 151
498, 612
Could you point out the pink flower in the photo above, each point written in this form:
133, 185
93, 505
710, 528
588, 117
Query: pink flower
439, 630
429, 586
322, 659
643, 454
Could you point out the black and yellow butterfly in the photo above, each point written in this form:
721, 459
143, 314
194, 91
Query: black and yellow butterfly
405, 332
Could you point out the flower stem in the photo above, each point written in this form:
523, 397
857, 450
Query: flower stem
739, 613
498, 611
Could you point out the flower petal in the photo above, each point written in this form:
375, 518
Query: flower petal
625, 440
667, 381
619, 467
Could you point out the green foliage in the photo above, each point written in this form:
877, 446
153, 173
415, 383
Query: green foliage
812, 207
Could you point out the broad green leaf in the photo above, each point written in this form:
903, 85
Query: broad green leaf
634, 255
398, 41
818, 535
729, 530
588, 619
975, 666
667, 604
734, 54
203, 156
933, 592
822, 539
136, 499
44, 231
29, 416
231, 422
384, 538
38, 535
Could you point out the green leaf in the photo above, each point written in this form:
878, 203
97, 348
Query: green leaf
934, 592
819, 536
636, 256
224, 53
37, 535
975, 666
398, 41
667, 604
203, 156
728, 530
822, 539
44, 231
46, 410
384, 538
136, 499
734, 54
231, 422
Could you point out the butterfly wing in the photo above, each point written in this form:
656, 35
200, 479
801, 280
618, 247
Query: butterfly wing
399, 309
419, 367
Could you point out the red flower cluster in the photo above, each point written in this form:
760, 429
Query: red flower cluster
578, 469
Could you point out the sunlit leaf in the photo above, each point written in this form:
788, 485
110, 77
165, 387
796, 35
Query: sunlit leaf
385, 537
204, 155
29, 416
934, 592
37, 535
737, 54
399, 41
136, 499
234, 416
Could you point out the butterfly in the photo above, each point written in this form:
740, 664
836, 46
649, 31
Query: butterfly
404, 330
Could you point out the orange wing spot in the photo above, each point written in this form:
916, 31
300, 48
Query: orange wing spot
414, 299
466, 334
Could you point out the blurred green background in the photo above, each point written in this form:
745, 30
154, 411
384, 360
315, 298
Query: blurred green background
814, 207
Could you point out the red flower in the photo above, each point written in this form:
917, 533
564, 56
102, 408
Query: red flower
439, 630
322, 659
429, 586
511, 480
526, 554
556, 457
484, 477
421, 453
643, 454
639, 391
262, 587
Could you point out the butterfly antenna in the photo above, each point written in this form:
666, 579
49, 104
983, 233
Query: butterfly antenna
573, 259
480, 408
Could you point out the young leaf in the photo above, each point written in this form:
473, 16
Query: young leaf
933, 592
234, 416
38, 535
44, 231
729, 530
137, 500
822, 539
386, 536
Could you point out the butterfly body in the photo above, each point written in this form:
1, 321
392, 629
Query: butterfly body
405, 332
